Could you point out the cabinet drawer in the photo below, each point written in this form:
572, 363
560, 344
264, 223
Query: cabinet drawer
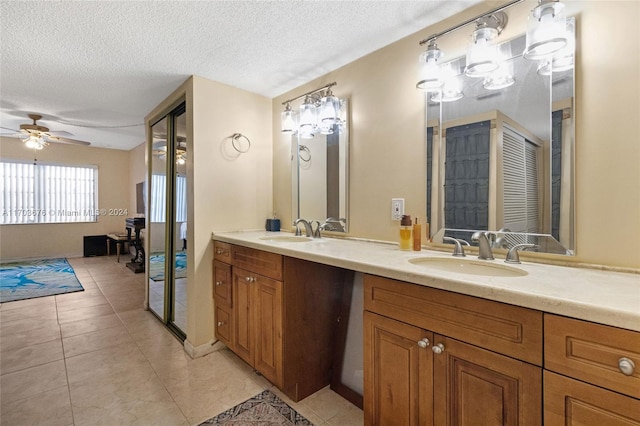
592, 353
222, 283
258, 261
222, 251
569, 402
224, 326
506, 329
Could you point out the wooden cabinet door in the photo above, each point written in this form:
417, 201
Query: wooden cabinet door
224, 326
268, 328
222, 290
473, 386
243, 314
397, 373
569, 402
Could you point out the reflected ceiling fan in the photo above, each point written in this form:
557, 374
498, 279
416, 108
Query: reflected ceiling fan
35, 136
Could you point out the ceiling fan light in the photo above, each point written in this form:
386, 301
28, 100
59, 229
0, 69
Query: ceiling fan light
34, 142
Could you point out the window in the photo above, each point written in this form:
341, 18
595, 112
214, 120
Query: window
46, 193
158, 198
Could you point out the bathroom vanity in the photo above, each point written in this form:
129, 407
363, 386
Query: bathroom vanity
535, 344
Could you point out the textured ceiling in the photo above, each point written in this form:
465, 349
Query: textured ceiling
92, 67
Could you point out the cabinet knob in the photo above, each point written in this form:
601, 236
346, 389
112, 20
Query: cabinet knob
218, 251
218, 282
626, 366
423, 343
220, 323
438, 348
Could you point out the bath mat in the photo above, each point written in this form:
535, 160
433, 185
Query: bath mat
265, 409
156, 266
36, 278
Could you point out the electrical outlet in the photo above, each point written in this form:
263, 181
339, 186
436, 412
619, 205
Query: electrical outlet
397, 208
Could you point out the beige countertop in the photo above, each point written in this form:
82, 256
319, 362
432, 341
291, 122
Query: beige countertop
605, 297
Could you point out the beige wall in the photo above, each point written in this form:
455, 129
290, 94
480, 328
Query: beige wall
227, 190
137, 173
388, 122
66, 239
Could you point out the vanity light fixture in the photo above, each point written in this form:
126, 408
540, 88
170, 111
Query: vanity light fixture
430, 78
546, 30
482, 53
288, 119
319, 112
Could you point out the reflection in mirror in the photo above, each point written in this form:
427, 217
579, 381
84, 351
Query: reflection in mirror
319, 175
501, 158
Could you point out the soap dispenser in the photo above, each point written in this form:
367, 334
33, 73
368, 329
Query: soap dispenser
405, 232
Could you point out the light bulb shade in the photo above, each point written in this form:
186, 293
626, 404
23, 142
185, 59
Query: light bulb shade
34, 142
482, 54
328, 114
546, 30
288, 120
563, 59
429, 69
503, 76
308, 119
451, 88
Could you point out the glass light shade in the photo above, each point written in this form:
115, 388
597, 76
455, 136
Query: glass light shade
308, 119
181, 159
482, 54
502, 77
562, 60
288, 120
328, 115
34, 142
451, 88
429, 69
546, 30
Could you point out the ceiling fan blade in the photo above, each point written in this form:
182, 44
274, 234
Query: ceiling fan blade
56, 139
10, 131
60, 133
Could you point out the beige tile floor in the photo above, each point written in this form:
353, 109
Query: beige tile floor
97, 358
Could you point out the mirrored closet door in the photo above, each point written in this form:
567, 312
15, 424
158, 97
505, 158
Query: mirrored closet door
167, 223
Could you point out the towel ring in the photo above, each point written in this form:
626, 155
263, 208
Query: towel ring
235, 137
301, 150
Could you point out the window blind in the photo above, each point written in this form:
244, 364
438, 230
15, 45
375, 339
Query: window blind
46, 193
159, 202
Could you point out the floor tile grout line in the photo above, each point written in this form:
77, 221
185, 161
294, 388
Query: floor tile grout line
66, 370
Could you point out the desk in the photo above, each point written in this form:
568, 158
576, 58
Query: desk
120, 241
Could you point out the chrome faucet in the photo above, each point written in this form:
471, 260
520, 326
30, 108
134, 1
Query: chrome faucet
484, 246
307, 227
512, 254
458, 250
316, 233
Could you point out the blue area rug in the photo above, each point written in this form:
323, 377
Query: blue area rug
156, 266
37, 278
264, 409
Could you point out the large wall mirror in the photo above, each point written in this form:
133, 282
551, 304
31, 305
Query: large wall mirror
319, 175
500, 150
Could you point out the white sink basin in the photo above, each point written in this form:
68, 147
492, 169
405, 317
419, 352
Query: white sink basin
469, 266
286, 239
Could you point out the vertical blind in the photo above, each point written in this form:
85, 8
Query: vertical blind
158, 198
45, 193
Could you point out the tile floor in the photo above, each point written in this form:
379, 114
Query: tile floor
97, 358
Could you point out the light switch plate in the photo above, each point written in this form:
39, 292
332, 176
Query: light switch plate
397, 208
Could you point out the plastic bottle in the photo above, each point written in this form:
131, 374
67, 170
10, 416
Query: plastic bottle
405, 232
417, 238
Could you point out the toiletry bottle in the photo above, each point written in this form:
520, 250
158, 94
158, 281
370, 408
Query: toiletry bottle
405, 232
417, 241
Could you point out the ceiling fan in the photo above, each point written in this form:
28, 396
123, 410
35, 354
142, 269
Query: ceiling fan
35, 136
